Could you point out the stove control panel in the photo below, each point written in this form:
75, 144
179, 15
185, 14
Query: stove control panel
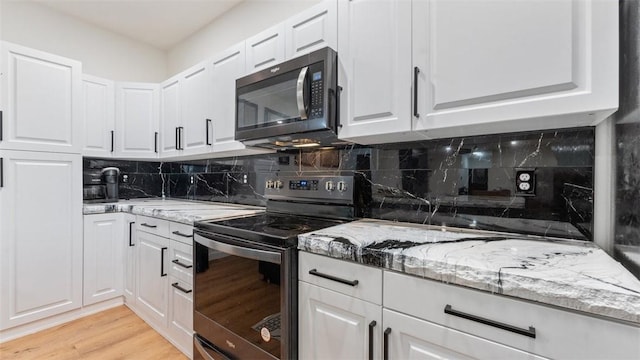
314, 187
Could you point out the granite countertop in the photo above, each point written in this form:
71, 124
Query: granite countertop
570, 274
182, 211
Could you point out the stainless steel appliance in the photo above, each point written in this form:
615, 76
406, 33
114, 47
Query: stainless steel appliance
293, 104
245, 287
111, 179
100, 185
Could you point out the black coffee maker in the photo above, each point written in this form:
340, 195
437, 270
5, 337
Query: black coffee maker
110, 177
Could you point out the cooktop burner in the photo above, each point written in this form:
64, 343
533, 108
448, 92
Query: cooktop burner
272, 228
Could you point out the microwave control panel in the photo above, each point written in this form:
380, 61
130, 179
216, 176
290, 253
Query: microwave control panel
317, 94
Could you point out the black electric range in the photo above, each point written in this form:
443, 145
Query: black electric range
245, 278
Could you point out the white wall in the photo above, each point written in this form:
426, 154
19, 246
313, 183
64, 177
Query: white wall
242, 21
102, 53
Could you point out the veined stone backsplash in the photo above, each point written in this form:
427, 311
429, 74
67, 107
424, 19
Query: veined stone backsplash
462, 182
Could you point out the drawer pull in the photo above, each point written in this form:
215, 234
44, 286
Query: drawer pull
177, 262
531, 332
330, 277
181, 234
385, 344
149, 226
175, 285
371, 326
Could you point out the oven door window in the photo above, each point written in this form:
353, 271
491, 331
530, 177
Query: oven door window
242, 294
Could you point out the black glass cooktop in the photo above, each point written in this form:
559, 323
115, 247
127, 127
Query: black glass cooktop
273, 228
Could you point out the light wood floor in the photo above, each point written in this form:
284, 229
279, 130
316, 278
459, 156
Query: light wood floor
112, 334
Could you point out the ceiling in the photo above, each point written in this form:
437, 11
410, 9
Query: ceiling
159, 23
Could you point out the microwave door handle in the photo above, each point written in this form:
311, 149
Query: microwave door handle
302, 108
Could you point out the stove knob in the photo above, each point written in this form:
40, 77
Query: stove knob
342, 186
329, 185
269, 184
278, 185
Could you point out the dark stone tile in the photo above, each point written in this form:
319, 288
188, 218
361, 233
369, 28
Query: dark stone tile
181, 186
141, 186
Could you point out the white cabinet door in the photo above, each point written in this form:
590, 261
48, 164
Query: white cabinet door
137, 120
500, 66
412, 338
98, 110
312, 29
170, 119
337, 326
226, 68
41, 242
130, 259
196, 101
41, 95
103, 246
265, 49
152, 281
181, 315
374, 50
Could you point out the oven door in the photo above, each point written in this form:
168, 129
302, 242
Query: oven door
241, 298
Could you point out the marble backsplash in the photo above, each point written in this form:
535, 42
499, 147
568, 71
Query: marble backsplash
462, 182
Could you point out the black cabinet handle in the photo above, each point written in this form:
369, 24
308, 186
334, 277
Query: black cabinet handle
207, 127
155, 142
177, 262
177, 138
331, 277
371, 326
181, 234
531, 332
149, 226
385, 344
112, 139
162, 273
416, 71
175, 285
131, 233
1, 172
1, 126
181, 138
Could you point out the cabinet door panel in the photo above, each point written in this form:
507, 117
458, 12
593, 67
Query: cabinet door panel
42, 95
98, 107
152, 286
181, 315
196, 104
103, 273
265, 49
375, 70
41, 256
412, 338
137, 120
170, 116
336, 326
313, 29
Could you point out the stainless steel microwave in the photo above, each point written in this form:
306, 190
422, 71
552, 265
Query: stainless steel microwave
293, 104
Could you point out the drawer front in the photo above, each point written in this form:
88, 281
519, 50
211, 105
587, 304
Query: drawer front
152, 225
345, 277
181, 232
181, 261
558, 333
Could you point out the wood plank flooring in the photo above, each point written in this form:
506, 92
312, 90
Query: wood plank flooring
112, 334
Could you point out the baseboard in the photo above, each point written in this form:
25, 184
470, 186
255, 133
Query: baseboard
39, 325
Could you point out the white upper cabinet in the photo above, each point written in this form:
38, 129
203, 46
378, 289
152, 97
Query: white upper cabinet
170, 117
312, 29
41, 98
137, 120
98, 113
501, 66
196, 102
265, 49
374, 54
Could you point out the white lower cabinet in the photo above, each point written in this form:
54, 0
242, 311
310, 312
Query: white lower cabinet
41, 242
103, 271
159, 278
408, 337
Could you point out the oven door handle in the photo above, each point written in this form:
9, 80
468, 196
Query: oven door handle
255, 254
302, 107
206, 351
